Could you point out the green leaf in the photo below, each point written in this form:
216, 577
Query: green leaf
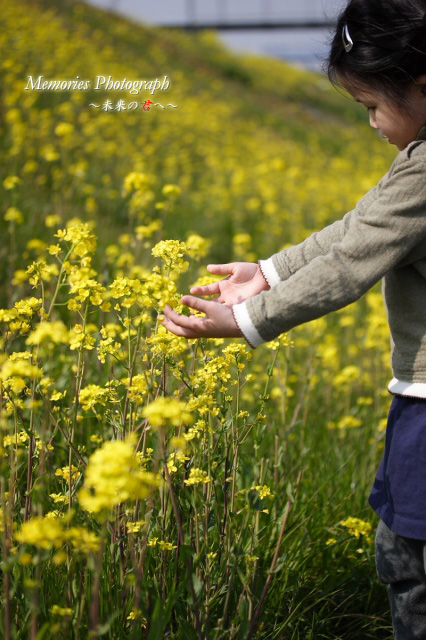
198, 585
157, 622
280, 564
242, 576
102, 629
44, 633
289, 491
185, 552
245, 622
186, 631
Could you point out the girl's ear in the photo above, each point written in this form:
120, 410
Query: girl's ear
421, 84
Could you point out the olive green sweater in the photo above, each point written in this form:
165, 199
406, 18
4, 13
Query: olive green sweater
383, 237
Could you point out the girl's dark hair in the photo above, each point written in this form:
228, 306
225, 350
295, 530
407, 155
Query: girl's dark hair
389, 46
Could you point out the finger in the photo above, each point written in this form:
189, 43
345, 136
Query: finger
207, 290
177, 319
221, 269
193, 312
192, 322
197, 326
198, 303
178, 330
215, 299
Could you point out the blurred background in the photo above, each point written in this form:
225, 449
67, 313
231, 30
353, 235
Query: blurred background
296, 31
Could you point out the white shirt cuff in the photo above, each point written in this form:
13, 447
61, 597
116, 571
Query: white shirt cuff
409, 389
269, 272
246, 325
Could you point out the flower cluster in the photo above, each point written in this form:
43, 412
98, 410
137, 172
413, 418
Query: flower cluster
93, 395
172, 252
167, 412
357, 527
50, 533
17, 370
113, 476
197, 476
80, 237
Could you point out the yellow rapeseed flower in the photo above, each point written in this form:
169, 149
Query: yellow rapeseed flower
81, 237
167, 412
52, 220
14, 215
60, 611
14, 372
79, 338
10, 182
93, 394
197, 247
48, 332
135, 181
349, 422
42, 532
196, 476
171, 190
25, 559
357, 527
135, 527
113, 476
172, 252
65, 473
264, 491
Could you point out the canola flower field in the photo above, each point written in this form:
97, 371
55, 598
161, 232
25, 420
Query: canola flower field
151, 486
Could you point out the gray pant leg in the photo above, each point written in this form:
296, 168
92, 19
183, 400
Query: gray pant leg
400, 564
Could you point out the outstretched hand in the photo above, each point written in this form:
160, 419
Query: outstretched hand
245, 279
218, 322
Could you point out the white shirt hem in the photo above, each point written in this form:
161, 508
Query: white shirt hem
409, 389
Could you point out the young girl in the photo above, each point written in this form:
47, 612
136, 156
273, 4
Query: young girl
378, 54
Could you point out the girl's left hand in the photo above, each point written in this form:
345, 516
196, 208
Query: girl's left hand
218, 322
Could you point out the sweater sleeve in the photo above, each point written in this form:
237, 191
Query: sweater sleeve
286, 262
367, 246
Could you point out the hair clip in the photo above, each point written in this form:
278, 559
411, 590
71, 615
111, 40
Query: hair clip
347, 40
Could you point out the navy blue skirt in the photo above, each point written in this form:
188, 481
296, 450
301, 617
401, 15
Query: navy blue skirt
398, 495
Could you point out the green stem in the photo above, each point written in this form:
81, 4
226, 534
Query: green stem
58, 284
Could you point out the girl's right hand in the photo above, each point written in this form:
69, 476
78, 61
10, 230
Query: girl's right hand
245, 279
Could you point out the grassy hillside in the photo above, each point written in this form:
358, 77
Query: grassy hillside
240, 121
